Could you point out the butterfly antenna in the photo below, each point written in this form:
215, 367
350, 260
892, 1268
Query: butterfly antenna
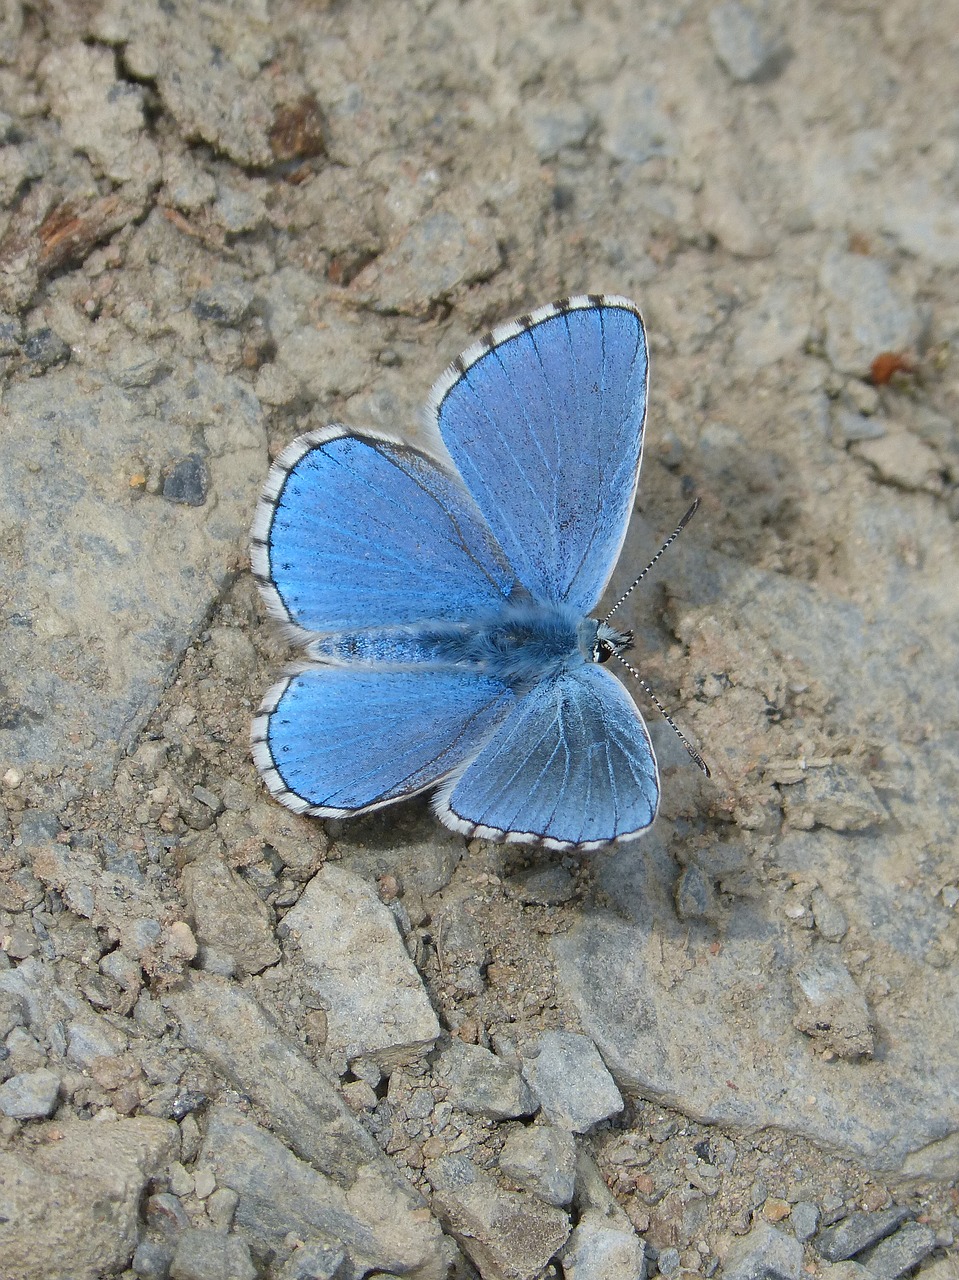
666, 545
693, 753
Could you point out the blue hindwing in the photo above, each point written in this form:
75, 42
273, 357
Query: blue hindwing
571, 766
544, 420
335, 741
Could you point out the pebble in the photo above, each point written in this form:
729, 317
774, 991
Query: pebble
804, 1219
151, 1260
833, 797
830, 1008
316, 1262
482, 1084
901, 459
746, 46
858, 1231
207, 1255
763, 1254
668, 1262
599, 1249
866, 313
507, 1234
541, 1159
439, 253
571, 1081
228, 916
830, 919
852, 427
223, 304
552, 127
45, 349
188, 482
901, 1252
375, 1008
542, 886
30, 1096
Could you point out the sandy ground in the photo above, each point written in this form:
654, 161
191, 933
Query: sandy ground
225, 224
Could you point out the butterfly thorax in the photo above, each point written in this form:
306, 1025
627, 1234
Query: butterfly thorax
518, 643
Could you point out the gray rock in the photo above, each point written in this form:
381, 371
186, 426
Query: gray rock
317, 1262
59, 708
207, 1255
829, 918
228, 915
636, 128
570, 1080
483, 1084
442, 252
901, 1252
89, 1039
205, 70
598, 1249
151, 1260
866, 313
804, 1219
745, 42
356, 963
187, 481
30, 1096
45, 349
668, 1262
763, 1254
853, 427
553, 126
225, 304
830, 1007
233, 1032
541, 1159
543, 886
857, 1232
72, 1209
694, 894
833, 797
901, 459
508, 1235
281, 1194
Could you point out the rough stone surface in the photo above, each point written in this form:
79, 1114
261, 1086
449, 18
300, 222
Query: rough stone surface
900, 1253
73, 1207
483, 1084
228, 915
30, 1096
600, 1250
764, 1254
831, 1008
857, 1232
509, 1235
206, 1255
866, 313
569, 1078
348, 941
541, 1159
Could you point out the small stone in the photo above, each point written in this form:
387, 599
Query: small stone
229, 916
858, 1232
318, 1262
221, 1207
833, 797
746, 45
206, 1255
830, 919
851, 427
903, 460
668, 1262
151, 1260
506, 1234
223, 304
552, 127
542, 886
775, 1209
902, 1252
804, 1219
830, 1007
45, 349
694, 894
188, 482
763, 1254
570, 1080
30, 1096
866, 313
482, 1084
542, 1159
599, 1249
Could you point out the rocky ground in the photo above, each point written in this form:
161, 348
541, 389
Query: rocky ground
237, 1043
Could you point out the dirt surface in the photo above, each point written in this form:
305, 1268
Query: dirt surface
222, 225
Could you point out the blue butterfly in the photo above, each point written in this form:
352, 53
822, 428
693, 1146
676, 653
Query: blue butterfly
445, 609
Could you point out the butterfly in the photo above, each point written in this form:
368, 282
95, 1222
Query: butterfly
445, 606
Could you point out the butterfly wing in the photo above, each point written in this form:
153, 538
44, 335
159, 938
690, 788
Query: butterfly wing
544, 419
571, 766
336, 741
355, 531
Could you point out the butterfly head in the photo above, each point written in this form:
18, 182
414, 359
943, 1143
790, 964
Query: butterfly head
606, 642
